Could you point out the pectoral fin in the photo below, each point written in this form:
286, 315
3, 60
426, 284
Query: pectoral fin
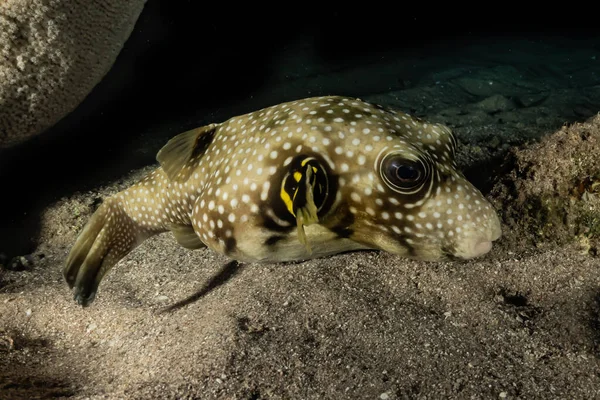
304, 190
307, 213
186, 236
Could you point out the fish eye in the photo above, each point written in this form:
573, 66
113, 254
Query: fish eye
402, 174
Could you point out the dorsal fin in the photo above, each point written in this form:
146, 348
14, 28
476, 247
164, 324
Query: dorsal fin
178, 151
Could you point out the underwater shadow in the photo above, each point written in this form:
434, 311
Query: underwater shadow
22, 380
228, 271
594, 323
486, 173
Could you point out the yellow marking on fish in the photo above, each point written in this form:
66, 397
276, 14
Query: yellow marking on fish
289, 203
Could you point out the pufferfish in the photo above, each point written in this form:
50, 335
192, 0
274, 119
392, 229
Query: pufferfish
290, 182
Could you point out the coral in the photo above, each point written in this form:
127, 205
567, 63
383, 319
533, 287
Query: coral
52, 54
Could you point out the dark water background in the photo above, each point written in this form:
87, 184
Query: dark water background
187, 64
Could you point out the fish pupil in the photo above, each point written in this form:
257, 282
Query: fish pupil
403, 171
407, 173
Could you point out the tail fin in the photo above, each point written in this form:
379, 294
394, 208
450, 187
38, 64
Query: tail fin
109, 236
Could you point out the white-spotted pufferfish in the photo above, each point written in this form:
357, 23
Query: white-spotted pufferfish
303, 179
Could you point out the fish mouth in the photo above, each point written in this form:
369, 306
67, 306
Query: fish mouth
474, 248
474, 251
477, 248
483, 245
481, 248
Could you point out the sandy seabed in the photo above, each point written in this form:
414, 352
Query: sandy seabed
521, 322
